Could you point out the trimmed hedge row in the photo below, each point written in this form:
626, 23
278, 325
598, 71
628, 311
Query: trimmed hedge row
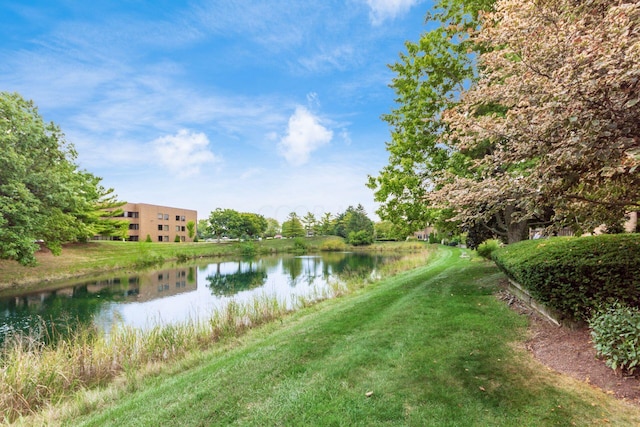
576, 275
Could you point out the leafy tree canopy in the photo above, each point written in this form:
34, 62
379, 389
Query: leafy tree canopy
428, 79
565, 75
43, 194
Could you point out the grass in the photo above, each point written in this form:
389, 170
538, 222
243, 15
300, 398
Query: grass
428, 347
100, 256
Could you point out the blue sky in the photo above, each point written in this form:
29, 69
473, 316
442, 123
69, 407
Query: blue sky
264, 106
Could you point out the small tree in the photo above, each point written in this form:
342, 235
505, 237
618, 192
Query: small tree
292, 227
191, 228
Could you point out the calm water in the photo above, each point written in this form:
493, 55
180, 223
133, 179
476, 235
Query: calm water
178, 293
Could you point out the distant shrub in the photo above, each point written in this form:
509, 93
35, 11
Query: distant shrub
333, 245
486, 248
148, 239
177, 239
576, 275
615, 331
360, 238
181, 257
299, 245
248, 249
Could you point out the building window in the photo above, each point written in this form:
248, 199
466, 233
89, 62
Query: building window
159, 238
182, 239
159, 227
177, 228
166, 228
177, 217
131, 214
166, 238
182, 218
133, 238
159, 215
134, 226
183, 228
166, 217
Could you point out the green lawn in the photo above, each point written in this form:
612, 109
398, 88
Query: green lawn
430, 347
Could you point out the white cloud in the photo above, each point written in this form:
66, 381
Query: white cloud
381, 10
184, 152
304, 135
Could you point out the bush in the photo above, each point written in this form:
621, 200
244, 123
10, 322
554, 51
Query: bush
333, 245
360, 238
300, 246
616, 335
486, 248
576, 275
248, 249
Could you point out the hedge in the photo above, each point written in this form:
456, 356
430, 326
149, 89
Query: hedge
576, 275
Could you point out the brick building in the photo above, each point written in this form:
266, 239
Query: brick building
161, 223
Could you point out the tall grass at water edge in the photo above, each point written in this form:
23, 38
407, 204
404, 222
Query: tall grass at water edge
33, 374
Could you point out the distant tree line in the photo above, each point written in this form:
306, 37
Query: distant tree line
45, 198
353, 225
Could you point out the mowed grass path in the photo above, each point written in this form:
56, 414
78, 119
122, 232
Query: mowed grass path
430, 347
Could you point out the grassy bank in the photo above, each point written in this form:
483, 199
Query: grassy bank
34, 374
431, 346
94, 257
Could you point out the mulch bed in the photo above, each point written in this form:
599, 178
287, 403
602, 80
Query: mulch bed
571, 352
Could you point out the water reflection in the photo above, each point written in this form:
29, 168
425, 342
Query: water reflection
246, 275
176, 294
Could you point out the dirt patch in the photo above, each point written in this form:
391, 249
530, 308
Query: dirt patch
571, 352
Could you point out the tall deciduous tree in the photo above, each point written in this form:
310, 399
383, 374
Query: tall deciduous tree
566, 77
428, 79
43, 194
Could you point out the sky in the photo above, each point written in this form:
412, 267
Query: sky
263, 106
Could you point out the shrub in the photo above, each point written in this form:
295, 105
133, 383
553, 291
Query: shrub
148, 239
616, 335
248, 249
360, 238
333, 245
299, 245
576, 275
486, 248
177, 239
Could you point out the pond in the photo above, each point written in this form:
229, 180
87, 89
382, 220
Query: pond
177, 293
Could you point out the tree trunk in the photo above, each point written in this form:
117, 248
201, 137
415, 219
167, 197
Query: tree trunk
516, 230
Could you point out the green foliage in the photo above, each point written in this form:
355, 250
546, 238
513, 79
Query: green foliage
333, 245
191, 228
273, 227
353, 220
43, 194
387, 230
248, 249
578, 274
360, 238
615, 331
177, 239
234, 224
292, 227
148, 239
300, 246
428, 79
486, 248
